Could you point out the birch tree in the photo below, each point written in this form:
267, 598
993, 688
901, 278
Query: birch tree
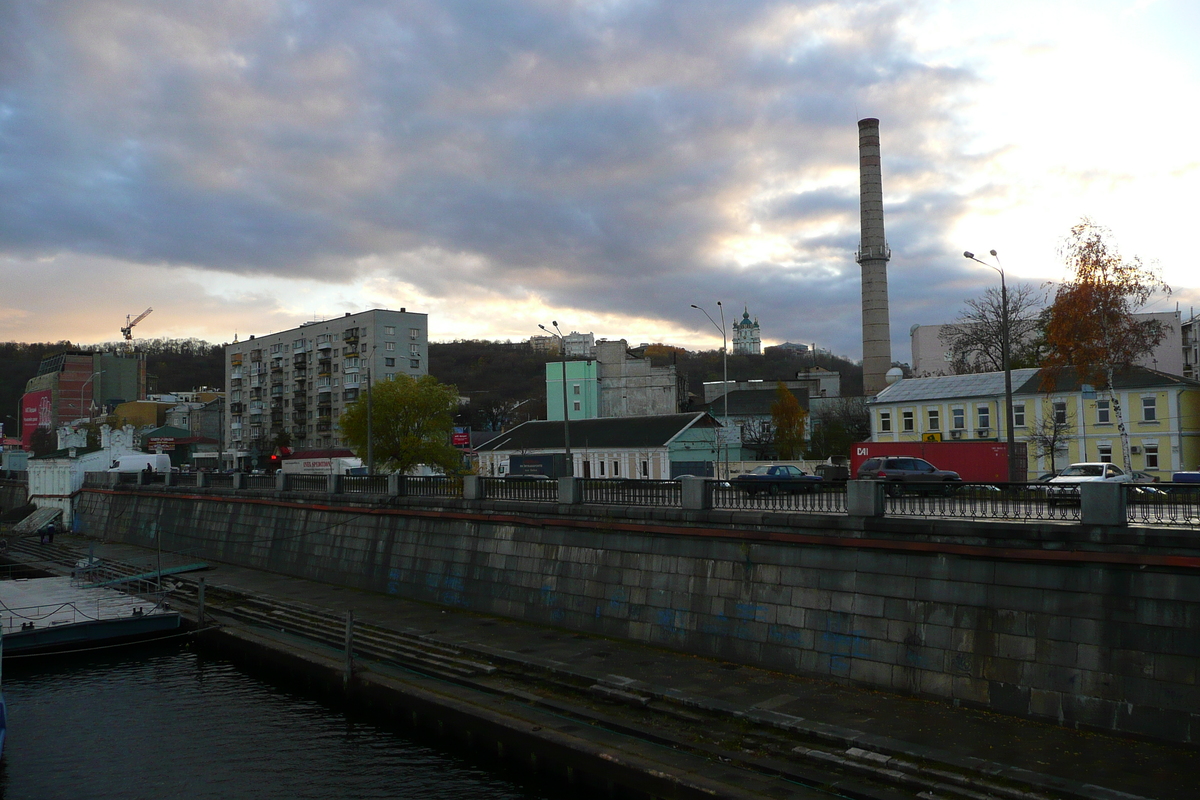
1091, 324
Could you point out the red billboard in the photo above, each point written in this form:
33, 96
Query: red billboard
984, 462
37, 411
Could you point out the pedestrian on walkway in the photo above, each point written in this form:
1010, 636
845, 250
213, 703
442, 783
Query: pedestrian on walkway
50, 530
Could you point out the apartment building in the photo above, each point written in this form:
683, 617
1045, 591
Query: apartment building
299, 381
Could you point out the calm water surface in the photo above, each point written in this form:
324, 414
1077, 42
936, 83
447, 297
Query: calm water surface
160, 722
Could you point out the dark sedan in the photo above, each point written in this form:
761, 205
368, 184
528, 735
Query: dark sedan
776, 479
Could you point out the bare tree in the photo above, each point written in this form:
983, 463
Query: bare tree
836, 425
975, 340
1051, 435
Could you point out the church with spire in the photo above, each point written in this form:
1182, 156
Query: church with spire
747, 340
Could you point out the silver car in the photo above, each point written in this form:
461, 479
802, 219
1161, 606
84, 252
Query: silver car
1065, 487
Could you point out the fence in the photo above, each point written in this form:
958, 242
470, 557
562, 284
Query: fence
1163, 504
521, 488
816, 498
1160, 504
1003, 501
632, 492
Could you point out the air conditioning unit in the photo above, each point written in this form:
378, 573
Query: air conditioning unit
1137, 451
982, 433
956, 434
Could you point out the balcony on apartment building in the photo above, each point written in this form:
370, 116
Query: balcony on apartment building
324, 426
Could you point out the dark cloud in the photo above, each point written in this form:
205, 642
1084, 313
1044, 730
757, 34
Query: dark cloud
601, 156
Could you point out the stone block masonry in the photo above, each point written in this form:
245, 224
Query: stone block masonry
1082, 626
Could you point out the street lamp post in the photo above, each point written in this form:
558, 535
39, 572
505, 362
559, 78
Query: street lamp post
725, 374
83, 386
562, 348
1004, 355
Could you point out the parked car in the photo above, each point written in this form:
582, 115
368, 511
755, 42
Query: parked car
1065, 487
900, 471
776, 479
1143, 477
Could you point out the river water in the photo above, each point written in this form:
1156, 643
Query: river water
158, 721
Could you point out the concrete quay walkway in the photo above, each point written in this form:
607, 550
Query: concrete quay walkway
842, 728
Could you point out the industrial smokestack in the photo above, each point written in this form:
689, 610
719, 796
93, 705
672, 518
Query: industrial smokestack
873, 255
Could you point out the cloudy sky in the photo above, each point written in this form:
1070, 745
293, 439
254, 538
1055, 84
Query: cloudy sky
246, 166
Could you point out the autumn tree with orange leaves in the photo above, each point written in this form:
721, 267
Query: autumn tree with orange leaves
1091, 325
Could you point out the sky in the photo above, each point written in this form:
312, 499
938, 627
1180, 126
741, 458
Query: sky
243, 167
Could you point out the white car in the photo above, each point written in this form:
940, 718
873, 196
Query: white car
1065, 486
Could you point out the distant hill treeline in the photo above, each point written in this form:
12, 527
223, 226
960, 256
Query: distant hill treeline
504, 381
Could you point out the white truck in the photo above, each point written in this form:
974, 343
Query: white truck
137, 462
322, 466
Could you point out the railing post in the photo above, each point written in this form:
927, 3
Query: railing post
570, 490
349, 671
239, 480
697, 493
396, 485
472, 487
280, 481
200, 604
141, 477
201, 480
168, 478
335, 483
1103, 503
865, 499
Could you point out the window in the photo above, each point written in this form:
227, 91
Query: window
576, 389
389, 346
335, 381
389, 362
414, 333
1151, 455
1102, 412
645, 469
387, 376
958, 418
885, 422
414, 363
935, 420
576, 404
414, 349
389, 330
616, 469
906, 419
983, 415
1060, 412
1105, 450
1150, 409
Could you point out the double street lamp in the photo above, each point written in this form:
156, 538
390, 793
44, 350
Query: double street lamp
1004, 355
562, 349
725, 370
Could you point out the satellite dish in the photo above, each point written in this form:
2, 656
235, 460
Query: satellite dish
894, 374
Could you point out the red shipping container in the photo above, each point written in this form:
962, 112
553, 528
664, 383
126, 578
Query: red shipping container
975, 462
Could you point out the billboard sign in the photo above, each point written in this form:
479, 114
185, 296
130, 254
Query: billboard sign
37, 411
461, 437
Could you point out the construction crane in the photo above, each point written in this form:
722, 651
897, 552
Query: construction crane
128, 329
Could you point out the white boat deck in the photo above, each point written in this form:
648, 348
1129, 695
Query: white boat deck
48, 602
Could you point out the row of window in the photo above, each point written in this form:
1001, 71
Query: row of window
983, 416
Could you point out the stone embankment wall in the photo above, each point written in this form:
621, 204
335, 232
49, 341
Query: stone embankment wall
1082, 626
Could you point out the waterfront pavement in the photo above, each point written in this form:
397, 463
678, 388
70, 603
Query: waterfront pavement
1044, 758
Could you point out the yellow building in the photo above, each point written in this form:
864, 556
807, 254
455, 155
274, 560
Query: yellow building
142, 413
1076, 422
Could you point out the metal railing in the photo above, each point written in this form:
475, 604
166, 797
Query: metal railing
1163, 504
433, 486
1146, 504
815, 498
308, 483
521, 488
1000, 501
632, 492
365, 484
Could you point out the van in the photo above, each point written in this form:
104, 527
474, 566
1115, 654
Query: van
137, 462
